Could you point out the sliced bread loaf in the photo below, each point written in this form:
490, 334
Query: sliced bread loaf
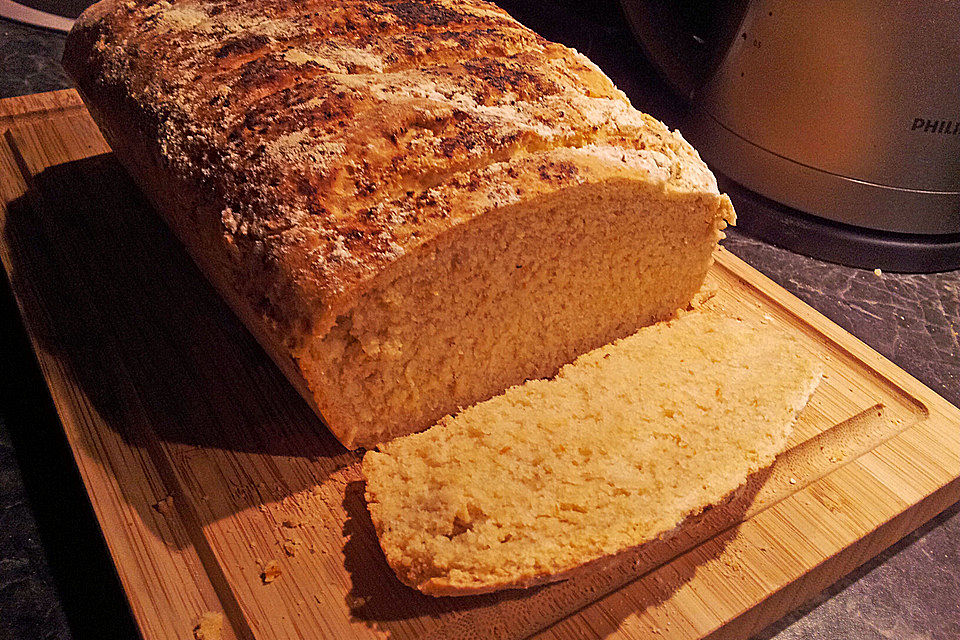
412, 205
617, 449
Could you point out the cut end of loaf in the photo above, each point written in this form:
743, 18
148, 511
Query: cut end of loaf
514, 295
615, 451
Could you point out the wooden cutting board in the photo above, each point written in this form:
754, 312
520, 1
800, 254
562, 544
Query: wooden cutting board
219, 492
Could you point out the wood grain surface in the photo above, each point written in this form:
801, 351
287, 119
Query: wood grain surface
219, 492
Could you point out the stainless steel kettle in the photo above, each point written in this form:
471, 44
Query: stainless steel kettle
846, 111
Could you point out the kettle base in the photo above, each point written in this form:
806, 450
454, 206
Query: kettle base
783, 226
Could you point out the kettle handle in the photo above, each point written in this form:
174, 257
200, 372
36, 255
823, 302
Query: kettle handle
685, 58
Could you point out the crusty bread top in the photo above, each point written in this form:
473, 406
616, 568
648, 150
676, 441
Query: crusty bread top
334, 135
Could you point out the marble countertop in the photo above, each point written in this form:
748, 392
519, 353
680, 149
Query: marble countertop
56, 577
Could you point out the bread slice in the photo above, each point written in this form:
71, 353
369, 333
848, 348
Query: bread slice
616, 450
412, 205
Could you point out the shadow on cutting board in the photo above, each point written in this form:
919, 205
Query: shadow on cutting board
148, 342
164, 372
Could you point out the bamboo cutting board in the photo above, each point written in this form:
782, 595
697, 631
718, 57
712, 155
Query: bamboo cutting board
220, 493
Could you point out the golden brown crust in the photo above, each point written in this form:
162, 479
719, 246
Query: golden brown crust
299, 118
302, 149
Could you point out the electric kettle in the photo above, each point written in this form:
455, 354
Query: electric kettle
840, 121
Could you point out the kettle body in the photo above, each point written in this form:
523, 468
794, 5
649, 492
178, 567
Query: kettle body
848, 111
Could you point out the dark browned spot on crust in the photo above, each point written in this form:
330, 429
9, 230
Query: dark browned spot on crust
557, 171
494, 78
462, 141
287, 111
336, 106
365, 186
260, 72
421, 14
242, 45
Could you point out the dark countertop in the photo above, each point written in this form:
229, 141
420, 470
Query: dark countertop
56, 577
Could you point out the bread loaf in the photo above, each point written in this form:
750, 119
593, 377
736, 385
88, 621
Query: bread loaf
616, 450
411, 205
